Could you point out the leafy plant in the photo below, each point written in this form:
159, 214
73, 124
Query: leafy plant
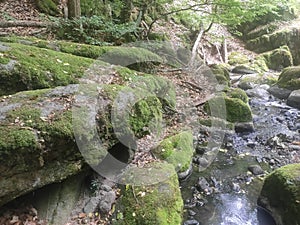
95, 30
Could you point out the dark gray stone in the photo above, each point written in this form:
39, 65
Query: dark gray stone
92, 204
294, 99
240, 69
244, 127
246, 85
278, 92
191, 222
256, 170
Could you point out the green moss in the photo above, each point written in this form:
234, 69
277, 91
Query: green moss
237, 93
143, 111
60, 126
146, 113
282, 189
26, 115
14, 138
159, 204
259, 64
48, 7
38, 68
3, 59
177, 150
278, 58
222, 74
236, 110
216, 122
290, 78
121, 55
236, 58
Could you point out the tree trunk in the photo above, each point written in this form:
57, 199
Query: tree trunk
74, 10
126, 11
224, 51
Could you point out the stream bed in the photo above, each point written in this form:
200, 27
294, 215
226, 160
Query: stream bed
226, 192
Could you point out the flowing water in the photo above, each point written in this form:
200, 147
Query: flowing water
226, 192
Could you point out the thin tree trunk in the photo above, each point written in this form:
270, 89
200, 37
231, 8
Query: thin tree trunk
195, 47
224, 51
74, 10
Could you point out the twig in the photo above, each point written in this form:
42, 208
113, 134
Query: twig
198, 89
137, 201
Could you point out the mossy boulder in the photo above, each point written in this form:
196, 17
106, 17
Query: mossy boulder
221, 72
236, 58
159, 203
231, 109
237, 93
278, 58
28, 67
290, 78
177, 150
134, 57
37, 144
136, 109
281, 194
216, 123
37, 141
280, 37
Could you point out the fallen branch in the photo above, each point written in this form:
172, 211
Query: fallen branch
25, 23
195, 47
194, 86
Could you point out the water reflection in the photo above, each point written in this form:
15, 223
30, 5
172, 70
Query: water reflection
238, 210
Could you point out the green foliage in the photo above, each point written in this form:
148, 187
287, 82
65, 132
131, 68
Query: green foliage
95, 30
227, 12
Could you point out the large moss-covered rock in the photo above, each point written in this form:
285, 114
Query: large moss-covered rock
278, 38
221, 72
236, 58
36, 64
37, 145
37, 140
279, 58
24, 67
290, 78
159, 203
233, 109
177, 150
237, 93
134, 57
281, 194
